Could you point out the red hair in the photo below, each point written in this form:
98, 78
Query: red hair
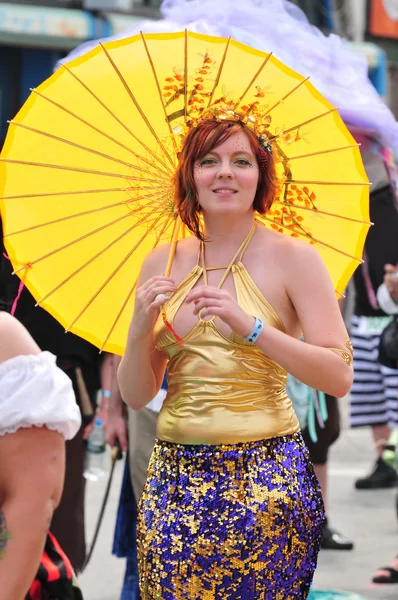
200, 141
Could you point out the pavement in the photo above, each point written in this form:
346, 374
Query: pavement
366, 517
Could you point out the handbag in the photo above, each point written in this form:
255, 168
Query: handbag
55, 577
388, 347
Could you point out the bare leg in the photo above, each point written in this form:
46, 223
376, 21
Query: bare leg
331, 538
381, 433
321, 471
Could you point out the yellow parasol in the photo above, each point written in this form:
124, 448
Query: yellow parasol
88, 163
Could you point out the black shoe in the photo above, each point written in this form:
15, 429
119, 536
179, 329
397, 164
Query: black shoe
333, 540
382, 476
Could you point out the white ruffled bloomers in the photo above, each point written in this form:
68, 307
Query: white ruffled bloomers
385, 301
34, 392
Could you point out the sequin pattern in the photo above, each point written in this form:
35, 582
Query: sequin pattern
229, 522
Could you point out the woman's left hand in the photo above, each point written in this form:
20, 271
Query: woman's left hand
211, 301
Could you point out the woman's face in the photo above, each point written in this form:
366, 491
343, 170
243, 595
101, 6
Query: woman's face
226, 178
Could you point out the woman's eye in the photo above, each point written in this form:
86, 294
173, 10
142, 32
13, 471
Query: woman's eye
243, 161
207, 161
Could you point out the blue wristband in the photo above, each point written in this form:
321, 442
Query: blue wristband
106, 393
256, 331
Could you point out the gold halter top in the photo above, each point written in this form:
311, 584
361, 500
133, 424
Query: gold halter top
220, 390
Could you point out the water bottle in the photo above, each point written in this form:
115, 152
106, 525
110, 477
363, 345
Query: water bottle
95, 455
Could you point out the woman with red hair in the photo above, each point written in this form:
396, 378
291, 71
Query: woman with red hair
231, 507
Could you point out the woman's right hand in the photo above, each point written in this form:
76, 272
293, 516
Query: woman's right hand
149, 298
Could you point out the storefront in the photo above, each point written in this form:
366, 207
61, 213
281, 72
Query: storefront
32, 39
377, 64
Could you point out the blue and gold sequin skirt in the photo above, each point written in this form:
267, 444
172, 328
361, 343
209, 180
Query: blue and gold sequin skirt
229, 522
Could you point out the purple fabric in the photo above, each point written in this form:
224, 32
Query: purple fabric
237, 522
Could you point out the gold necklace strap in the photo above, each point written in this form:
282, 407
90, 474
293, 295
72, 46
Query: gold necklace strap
227, 268
198, 260
241, 250
239, 254
216, 268
201, 261
247, 242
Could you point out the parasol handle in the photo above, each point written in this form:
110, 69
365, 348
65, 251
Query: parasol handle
174, 239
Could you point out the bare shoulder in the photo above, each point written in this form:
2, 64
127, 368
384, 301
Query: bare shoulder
304, 270
14, 338
291, 251
156, 261
299, 252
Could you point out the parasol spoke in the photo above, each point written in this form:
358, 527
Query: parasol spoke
131, 291
119, 314
74, 169
75, 241
173, 247
305, 235
319, 152
73, 216
116, 270
76, 192
90, 260
252, 81
321, 212
136, 104
328, 112
81, 147
94, 128
285, 96
168, 172
80, 238
159, 91
218, 76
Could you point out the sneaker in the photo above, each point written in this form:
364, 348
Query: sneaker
333, 540
382, 476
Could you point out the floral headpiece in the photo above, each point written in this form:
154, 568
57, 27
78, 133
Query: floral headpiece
224, 110
202, 104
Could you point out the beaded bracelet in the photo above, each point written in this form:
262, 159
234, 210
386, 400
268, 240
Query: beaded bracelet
256, 331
